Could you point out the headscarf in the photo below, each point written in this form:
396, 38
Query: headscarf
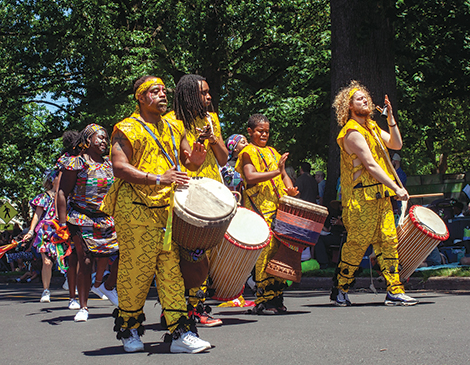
89, 130
147, 85
232, 142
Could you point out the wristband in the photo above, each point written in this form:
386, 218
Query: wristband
394, 125
157, 181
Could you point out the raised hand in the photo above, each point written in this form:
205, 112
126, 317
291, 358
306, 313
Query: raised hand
197, 155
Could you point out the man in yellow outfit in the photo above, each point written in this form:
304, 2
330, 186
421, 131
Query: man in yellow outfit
265, 179
146, 154
367, 184
192, 105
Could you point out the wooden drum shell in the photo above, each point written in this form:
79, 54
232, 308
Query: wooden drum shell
415, 243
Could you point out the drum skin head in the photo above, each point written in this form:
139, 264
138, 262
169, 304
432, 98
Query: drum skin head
205, 198
248, 228
429, 220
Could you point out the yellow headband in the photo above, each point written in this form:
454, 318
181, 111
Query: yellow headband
351, 93
147, 85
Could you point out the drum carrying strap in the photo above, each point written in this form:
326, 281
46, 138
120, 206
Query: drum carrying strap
175, 151
267, 169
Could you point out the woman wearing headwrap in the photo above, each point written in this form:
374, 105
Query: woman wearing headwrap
232, 179
85, 181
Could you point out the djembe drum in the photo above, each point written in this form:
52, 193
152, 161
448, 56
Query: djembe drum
231, 262
420, 232
202, 213
297, 225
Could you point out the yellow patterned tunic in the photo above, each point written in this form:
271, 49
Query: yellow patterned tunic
210, 167
367, 214
265, 198
140, 213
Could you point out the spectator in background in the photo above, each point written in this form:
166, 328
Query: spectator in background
306, 184
291, 173
320, 178
396, 162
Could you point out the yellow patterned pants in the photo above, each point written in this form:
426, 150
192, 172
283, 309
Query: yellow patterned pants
269, 287
140, 258
369, 222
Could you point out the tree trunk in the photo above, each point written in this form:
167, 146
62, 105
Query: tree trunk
361, 49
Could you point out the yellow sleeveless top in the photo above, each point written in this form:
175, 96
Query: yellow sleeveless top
371, 188
209, 168
144, 204
265, 195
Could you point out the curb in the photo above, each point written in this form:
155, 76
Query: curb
432, 283
325, 283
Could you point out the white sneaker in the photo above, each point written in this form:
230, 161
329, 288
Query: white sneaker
133, 343
110, 294
189, 343
82, 315
46, 296
342, 299
98, 292
65, 285
73, 304
399, 299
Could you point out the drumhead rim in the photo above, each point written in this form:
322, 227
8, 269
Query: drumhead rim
244, 246
195, 214
418, 225
298, 203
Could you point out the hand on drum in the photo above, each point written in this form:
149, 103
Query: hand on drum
402, 194
172, 176
197, 155
292, 191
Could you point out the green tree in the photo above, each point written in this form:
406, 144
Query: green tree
80, 58
433, 71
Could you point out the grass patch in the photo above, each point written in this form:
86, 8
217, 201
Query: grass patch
463, 271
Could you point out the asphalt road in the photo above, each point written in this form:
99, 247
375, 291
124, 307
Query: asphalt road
435, 331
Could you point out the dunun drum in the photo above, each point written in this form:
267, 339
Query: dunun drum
202, 213
298, 224
420, 233
231, 262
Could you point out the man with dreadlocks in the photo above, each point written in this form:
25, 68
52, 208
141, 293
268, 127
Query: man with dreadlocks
146, 154
367, 183
192, 109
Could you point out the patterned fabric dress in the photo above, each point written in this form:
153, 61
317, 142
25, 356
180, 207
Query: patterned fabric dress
46, 202
93, 183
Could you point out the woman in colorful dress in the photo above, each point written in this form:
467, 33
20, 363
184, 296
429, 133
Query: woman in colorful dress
85, 180
44, 212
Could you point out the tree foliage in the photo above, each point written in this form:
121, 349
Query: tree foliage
80, 58
433, 71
